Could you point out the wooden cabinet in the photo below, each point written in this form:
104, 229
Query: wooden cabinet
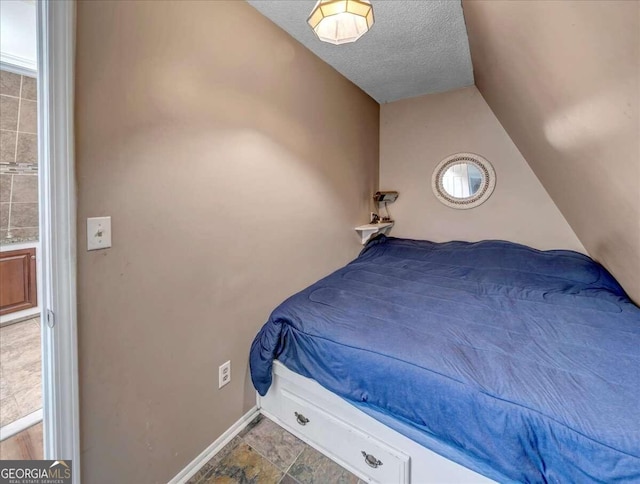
17, 280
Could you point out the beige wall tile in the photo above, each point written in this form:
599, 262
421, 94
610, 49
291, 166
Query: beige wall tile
27, 151
29, 88
7, 146
9, 113
25, 189
5, 188
4, 216
9, 83
28, 233
24, 215
28, 117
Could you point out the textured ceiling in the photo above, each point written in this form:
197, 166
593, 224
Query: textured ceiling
415, 47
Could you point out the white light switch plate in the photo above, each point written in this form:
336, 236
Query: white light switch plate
98, 233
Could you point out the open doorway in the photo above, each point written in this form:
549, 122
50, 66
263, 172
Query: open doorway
21, 433
50, 303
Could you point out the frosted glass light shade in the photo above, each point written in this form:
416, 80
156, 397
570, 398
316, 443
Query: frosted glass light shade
341, 21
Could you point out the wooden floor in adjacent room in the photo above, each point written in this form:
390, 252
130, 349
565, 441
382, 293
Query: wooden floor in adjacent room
26, 445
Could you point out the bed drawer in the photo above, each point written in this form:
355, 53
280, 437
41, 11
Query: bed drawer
369, 456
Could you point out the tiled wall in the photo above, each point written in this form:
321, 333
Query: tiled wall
18, 159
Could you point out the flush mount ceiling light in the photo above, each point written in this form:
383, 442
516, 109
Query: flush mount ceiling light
341, 21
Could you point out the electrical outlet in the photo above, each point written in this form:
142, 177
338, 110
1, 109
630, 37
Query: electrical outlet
224, 374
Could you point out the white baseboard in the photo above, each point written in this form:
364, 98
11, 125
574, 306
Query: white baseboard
194, 466
21, 424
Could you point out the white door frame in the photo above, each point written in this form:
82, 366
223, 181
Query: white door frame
56, 57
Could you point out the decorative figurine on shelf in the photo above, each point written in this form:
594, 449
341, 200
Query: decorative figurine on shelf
383, 198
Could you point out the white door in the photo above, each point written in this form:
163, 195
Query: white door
56, 26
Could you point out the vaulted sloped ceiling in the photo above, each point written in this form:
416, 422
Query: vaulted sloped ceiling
563, 78
414, 48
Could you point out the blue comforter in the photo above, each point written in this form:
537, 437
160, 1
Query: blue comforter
520, 364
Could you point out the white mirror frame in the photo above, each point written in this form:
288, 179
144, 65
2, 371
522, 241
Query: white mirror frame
486, 187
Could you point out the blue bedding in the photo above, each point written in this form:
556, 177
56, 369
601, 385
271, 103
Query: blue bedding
520, 364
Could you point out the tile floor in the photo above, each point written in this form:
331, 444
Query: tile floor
20, 370
265, 453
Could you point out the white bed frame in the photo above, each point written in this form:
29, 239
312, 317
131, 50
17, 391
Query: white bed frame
361, 444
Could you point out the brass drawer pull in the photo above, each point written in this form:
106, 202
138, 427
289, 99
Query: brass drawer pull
302, 420
371, 460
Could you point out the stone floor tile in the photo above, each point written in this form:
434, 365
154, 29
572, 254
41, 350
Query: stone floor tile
287, 479
312, 467
243, 465
214, 461
274, 443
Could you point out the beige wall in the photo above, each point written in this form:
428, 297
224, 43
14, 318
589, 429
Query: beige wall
234, 165
416, 134
564, 80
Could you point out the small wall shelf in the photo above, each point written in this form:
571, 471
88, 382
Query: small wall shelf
367, 231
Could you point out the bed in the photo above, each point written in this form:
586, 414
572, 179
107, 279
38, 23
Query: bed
521, 365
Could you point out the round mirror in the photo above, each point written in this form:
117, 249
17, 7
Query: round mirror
463, 180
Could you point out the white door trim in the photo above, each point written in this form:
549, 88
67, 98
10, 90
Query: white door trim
56, 56
23, 423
